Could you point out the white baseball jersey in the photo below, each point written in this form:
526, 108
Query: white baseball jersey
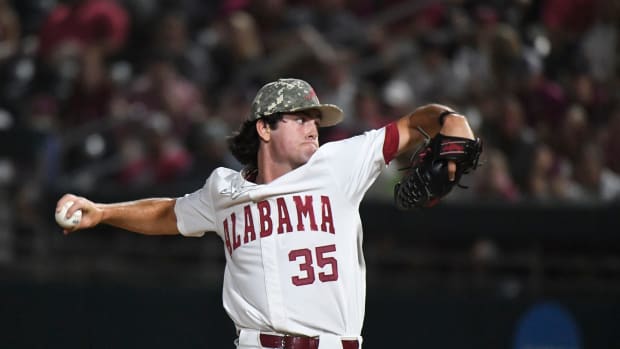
293, 247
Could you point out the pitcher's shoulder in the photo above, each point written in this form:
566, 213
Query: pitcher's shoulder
224, 172
221, 175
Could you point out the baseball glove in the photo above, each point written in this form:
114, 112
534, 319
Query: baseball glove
426, 180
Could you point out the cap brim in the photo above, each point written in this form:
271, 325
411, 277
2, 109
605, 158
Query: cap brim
330, 114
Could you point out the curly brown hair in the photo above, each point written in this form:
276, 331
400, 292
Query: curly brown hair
243, 144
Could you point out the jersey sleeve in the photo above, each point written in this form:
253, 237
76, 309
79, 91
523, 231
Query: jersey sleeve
356, 162
195, 212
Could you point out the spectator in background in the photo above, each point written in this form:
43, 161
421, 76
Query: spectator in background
276, 22
611, 142
369, 109
339, 85
429, 69
37, 143
494, 182
593, 181
37, 159
470, 60
368, 112
544, 101
573, 133
515, 139
506, 58
154, 155
236, 46
600, 43
72, 28
545, 181
10, 32
10, 42
31, 14
590, 95
92, 91
74, 25
398, 97
330, 16
162, 89
565, 22
170, 36
246, 44
209, 150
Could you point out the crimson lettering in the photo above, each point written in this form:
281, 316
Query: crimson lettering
236, 238
249, 226
264, 212
305, 209
226, 237
326, 215
283, 217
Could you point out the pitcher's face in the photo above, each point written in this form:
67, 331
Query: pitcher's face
296, 138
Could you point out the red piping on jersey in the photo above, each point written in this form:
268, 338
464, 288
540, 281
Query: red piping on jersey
390, 143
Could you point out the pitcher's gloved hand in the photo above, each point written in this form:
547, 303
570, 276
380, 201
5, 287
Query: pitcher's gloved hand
426, 180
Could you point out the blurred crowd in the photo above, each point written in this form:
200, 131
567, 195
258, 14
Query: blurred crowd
104, 96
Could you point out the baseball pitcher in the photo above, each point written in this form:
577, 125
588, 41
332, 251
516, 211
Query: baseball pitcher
289, 221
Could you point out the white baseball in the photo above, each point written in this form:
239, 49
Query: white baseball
70, 222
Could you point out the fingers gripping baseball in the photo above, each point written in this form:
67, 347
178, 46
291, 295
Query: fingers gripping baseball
75, 213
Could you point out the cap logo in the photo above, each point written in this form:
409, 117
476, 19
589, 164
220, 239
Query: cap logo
310, 95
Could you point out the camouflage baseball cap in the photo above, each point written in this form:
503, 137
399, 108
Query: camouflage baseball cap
292, 95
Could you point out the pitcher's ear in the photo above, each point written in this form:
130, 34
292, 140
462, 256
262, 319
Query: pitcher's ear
263, 130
